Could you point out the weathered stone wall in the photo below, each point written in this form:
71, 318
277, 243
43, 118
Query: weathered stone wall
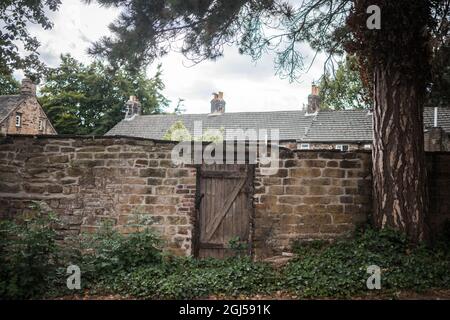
436, 139
315, 195
89, 180
438, 165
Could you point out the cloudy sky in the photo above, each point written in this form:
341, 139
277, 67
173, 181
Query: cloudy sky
247, 86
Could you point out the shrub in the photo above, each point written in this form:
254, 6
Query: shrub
107, 252
28, 255
339, 269
186, 278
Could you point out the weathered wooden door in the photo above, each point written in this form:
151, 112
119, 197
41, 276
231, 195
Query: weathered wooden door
225, 208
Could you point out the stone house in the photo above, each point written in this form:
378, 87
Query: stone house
22, 113
312, 128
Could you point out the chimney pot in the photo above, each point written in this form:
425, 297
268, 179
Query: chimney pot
313, 100
314, 90
217, 103
133, 108
28, 88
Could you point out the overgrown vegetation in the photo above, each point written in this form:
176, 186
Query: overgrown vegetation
179, 132
33, 265
28, 255
340, 269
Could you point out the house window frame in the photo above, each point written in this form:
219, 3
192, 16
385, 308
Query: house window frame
18, 120
41, 125
341, 147
305, 146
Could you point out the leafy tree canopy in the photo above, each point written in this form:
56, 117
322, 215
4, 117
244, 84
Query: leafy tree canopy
439, 90
90, 99
179, 132
344, 89
148, 29
15, 16
8, 85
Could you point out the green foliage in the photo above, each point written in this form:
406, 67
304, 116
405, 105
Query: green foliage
15, 18
8, 85
344, 89
90, 99
147, 30
28, 255
134, 265
439, 91
185, 278
109, 252
239, 247
339, 269
212, 135
179, 132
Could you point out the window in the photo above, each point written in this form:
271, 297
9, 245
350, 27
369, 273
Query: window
41, 124
342, 147
18, 119
368, 147
304, 146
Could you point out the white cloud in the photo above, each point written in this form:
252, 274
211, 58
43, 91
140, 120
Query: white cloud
247, 86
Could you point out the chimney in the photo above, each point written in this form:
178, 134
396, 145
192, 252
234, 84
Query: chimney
217, 103
435, 122
313, 100
28, 88
133, 108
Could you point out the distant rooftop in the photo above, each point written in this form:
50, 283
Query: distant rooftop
323, 126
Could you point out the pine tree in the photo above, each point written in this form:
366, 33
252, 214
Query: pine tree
395, 63
90, 99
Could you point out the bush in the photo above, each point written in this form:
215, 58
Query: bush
340, 269
28, 255
33, 265
107, 255
185, 278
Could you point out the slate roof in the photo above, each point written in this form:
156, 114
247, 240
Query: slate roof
292, 124
443, 118
342, 126
325, 126
7, 104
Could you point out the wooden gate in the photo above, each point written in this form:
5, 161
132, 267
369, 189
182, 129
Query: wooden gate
225, 208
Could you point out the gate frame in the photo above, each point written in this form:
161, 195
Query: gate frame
251, 168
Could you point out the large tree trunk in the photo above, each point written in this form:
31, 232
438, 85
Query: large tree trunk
396, 58
399, 175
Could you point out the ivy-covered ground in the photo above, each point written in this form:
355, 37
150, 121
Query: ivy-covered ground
33, 265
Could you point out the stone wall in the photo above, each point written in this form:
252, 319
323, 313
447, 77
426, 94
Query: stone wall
315, 195
436, 139
438, 165
89, 180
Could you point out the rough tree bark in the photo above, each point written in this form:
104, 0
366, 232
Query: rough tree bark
395, 58
399, 176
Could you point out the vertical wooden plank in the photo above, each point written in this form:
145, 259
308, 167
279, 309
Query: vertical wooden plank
237, 220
